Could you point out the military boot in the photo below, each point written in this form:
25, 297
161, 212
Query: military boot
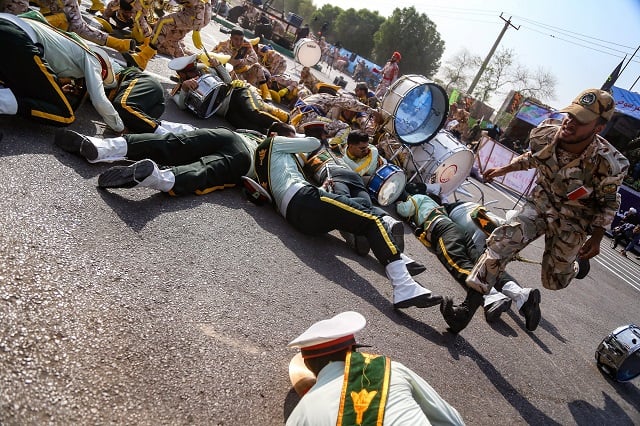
120, 45
142, 58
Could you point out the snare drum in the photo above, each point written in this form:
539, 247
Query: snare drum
443, 160
618, 355
204, 100
387, 184
307, 52
415, 109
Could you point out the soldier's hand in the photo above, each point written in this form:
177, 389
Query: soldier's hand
191, 84
492, 173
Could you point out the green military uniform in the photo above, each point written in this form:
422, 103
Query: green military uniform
138, 99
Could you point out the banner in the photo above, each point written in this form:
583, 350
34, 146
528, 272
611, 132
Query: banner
627, 102
492, 154
535, 114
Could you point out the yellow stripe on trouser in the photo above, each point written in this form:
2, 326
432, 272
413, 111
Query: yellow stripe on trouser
383, 231
123, 103
449, 260
46, 115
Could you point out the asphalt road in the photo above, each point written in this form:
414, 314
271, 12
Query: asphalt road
132, 307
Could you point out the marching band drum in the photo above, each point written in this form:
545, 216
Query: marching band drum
618, 355
307, 52
415, 109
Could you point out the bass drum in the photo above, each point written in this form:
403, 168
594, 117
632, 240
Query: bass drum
618, 356
307, 52
443, 160
415, 109
387, 184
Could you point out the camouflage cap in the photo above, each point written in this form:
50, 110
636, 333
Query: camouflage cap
591, 104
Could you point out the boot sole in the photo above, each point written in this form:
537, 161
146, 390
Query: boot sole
75, 143
422, 301
126, 176
531, 310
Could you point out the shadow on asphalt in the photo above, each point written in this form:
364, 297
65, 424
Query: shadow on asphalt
521, 404
136, 212
586, 414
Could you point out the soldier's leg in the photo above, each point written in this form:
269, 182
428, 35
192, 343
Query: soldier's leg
562, 244
502, 246
139, 102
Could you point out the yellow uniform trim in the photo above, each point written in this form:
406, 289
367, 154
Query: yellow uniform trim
449, 260
214, 188
383, 231
123, 103
159, 26
385, 390
46, 115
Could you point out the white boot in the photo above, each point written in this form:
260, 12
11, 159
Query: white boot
162, 180
404, 287
516, 293
171, 127
143, 173
109, 150
494, 296
8, 102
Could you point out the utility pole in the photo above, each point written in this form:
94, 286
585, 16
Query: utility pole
507, 24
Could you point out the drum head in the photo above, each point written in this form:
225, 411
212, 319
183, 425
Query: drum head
307, 52
420, 112
391, 188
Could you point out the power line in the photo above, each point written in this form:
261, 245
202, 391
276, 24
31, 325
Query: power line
562, 30
578, 44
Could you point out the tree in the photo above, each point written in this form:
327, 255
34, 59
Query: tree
539, 84
354, 28
457, 70
496, 75
327, 14
415, 36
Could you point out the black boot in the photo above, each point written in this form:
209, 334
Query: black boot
458, 317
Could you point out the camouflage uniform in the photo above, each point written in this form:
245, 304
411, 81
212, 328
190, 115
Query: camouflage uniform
249, 68
70, 9
272, 61
309, 80
171, 29
15, 7
556, 209
327, 108
139, 21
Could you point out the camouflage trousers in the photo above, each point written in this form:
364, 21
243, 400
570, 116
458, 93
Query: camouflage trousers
563, 240
381, 90
254, 75
170, 30
74, 21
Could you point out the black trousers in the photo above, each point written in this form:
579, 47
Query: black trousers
349, 183
139, 100
457, 252
203, 160
313, 211
247, 110
25, 71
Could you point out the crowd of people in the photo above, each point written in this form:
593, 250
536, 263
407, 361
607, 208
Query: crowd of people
318, 182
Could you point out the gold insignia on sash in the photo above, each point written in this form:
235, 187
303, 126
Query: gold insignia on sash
609, 189
361, 401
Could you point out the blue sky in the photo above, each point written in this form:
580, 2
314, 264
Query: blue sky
579, 42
